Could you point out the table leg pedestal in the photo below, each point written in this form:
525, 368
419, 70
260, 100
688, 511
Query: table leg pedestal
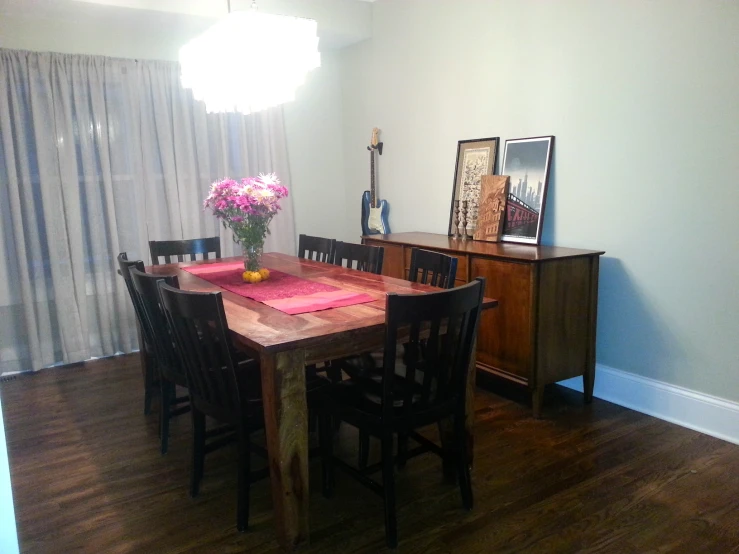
286, 423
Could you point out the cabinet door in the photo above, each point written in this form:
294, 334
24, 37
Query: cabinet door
506, 336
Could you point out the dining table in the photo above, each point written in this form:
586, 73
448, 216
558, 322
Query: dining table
286, 344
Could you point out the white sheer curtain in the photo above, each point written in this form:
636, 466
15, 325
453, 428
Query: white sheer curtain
98, 156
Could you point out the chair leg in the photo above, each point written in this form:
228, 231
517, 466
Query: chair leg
402, 450
463, 466
388, 487
149, 371
242, 509
198, 450
364, 447
326, 438
148, 382
167, 395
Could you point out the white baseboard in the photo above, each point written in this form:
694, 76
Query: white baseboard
701, 412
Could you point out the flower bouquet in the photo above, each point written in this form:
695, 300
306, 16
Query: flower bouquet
247, 207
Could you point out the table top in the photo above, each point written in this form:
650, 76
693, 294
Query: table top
261, 328
505, 250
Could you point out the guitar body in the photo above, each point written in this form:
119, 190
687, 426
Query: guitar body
374, 220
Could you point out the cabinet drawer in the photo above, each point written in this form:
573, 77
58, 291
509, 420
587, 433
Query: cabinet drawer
461, 265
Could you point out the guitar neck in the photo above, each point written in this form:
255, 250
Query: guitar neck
373, 199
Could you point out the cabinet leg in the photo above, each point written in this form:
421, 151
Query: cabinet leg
588, 382
537, 399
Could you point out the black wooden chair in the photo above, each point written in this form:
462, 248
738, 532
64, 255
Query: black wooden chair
432, 268
433, 389
181, 248
359, 256
221, 388
428, 268
146, 346
316, 248
171, 372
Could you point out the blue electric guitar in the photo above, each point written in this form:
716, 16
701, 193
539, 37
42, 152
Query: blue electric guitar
374, 213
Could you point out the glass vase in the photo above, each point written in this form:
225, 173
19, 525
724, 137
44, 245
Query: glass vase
253, 256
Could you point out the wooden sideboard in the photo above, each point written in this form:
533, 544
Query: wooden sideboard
543, 330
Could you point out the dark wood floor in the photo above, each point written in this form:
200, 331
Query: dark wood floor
87, 477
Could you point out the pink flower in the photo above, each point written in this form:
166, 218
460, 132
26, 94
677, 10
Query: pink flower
247, 204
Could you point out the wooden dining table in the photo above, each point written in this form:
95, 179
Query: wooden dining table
285, 345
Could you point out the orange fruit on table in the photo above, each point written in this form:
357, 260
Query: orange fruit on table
251, 277
264, 272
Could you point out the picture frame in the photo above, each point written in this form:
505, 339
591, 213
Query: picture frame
475, 157
527, 161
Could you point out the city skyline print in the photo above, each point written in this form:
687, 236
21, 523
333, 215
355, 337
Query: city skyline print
526, 161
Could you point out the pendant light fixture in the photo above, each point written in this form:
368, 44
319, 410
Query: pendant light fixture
250, 61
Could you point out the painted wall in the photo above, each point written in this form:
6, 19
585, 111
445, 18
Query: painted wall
642, 98
314, 141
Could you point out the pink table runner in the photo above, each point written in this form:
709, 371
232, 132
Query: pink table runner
281, 291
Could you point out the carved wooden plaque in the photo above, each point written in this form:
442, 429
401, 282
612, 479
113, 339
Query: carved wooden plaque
493, 198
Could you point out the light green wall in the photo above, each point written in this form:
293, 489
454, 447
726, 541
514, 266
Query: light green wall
643, 98
314, 129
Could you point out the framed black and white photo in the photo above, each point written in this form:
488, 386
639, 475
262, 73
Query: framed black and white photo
475, 158
527, 162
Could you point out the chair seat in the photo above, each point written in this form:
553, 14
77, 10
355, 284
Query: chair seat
365, 394
369, 365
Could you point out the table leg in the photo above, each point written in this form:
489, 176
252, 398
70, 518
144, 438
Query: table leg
286, 422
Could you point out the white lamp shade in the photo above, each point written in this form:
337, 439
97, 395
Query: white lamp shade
250, 61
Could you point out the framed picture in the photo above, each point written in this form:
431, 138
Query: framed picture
527, 162
475, 158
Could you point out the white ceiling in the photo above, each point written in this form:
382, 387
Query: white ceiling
340, 22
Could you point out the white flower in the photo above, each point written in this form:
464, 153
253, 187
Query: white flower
269, 178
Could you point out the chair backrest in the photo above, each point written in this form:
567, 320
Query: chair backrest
436, 269
180, 248
198, 322
146, 288
124, 270
359, 256
438, 331
316, 248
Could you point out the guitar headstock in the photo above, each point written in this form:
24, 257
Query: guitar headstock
374, 142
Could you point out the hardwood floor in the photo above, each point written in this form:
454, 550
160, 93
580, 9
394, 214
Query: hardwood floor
88, 477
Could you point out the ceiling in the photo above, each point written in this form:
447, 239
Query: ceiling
340, 22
